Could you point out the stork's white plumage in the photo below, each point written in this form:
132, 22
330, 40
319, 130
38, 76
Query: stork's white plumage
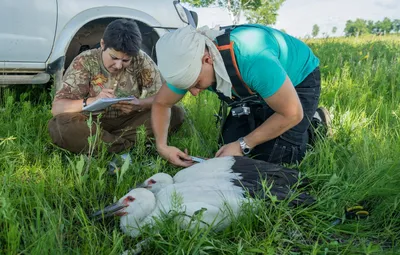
215, 187
217, 201
212, 169
248, 174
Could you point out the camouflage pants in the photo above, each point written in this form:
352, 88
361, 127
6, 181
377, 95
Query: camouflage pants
70, 130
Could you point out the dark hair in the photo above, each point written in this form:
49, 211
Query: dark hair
123, 35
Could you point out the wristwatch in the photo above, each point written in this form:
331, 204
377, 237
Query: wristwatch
85, 101
243, 145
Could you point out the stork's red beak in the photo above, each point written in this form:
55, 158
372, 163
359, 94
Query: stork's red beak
111, 210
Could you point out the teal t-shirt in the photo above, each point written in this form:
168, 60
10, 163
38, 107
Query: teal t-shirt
265, 56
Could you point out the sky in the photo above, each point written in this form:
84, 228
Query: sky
297, 17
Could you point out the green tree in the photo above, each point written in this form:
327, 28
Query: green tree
386, 25
199, 3
315, 30
396, 25
356, 28
256, 11
371, 27
334, 29
262, 11
378, 28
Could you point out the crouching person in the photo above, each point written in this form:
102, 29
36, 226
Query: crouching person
117, 69
271, 80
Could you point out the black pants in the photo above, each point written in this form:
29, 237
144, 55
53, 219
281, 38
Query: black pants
290, 147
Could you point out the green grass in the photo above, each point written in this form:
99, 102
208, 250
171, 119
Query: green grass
46, 193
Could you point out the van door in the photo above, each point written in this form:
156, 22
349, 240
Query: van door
27, 30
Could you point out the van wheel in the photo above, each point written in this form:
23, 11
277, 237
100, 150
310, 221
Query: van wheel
88, 37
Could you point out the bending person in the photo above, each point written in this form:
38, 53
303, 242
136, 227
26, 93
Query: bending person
271, 79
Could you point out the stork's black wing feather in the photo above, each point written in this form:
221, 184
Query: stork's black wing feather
282, 181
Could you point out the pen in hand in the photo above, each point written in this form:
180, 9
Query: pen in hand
105, 92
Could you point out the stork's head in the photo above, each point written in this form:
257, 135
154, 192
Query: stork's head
133, 208
137, 203
157, 182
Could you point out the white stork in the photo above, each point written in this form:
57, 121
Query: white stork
216, 202
215, 188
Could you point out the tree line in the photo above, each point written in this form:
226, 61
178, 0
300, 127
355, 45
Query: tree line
266, 11
361, 26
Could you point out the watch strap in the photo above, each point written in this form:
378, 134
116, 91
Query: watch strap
85, 101
243, 145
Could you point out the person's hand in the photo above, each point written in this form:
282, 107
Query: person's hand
126, 107
175, 156
105, 93
230, 149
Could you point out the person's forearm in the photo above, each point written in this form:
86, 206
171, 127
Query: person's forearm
160, 116
274, 126
69, 105
146, 103
66, 105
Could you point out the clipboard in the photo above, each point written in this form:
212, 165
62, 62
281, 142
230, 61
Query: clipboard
102, 103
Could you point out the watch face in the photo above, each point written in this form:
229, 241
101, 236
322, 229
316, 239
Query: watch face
246, 151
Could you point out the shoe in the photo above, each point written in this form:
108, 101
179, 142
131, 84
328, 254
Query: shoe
323, 116
117, 162
320, 126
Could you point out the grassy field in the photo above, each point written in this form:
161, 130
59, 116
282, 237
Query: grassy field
47, 194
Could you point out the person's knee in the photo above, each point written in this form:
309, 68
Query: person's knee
279, 151
63, 121
66, 130
67, 118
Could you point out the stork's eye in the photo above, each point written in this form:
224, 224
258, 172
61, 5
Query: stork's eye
151, 181
131, 199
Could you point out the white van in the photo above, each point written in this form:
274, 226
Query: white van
39, 38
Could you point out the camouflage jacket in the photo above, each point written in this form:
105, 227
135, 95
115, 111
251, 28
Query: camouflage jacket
86, 74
